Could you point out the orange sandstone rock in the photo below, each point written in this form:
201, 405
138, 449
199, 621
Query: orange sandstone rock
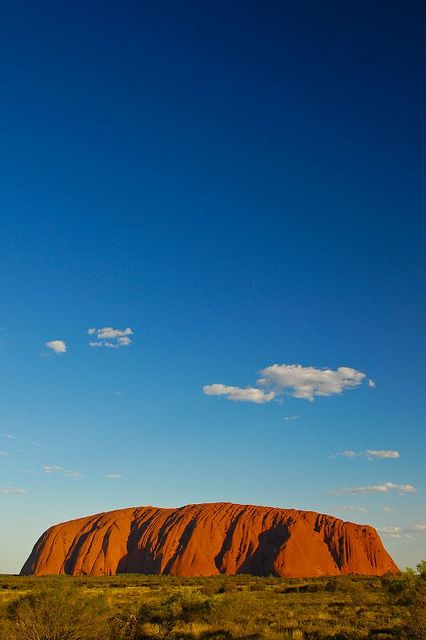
209, 539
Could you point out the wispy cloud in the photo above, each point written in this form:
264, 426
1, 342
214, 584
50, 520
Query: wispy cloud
3, 454
345, 454
68, 473
392, 532
110, 338
9, 436
382, 453
295, 380
386, 487
403, 532
389, 509
370, 454
52, 468
113, 476
239, 394
73, 474
57, 346
12, 490
346, 508
291, 418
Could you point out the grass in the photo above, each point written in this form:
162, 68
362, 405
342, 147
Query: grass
136, 607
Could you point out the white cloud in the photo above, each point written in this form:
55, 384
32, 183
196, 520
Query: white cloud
389, 509
349, 453
110, 338
403, 532
247, 394
3, 454
113, 476
54, 468
109, 332
295, 380
392, 532
109, 345
291, 418
57, 346
9, 436
371, 454
371, 383
308, 382
348, 507
383, 453
73, 474
386, 487
12, 490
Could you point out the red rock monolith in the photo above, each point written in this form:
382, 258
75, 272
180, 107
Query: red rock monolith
209, 539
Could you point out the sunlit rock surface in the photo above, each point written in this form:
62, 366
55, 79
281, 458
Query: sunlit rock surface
209, 539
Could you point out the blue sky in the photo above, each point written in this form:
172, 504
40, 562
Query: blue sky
240, 185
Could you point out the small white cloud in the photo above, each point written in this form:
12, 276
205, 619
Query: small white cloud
12, 490
391, 532
371, 384
108, 345
113, 476
291, 418
117, 393
109, 332
72, 474
371, 454
345, 454
57, 346
9, 436
110, 338
389, 509
3, 454
238, 394
349, 507
382, 453
403, 532
386, 487
52, 468
55, 468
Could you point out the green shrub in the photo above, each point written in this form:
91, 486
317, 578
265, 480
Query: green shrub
421, 569
59, 613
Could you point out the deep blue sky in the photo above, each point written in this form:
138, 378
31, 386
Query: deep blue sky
242, 184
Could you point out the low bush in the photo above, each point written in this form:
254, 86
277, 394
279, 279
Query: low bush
60, 613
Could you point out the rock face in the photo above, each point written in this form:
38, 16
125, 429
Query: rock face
209, 539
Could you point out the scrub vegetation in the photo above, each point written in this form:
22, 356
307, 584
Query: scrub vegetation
134, 607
